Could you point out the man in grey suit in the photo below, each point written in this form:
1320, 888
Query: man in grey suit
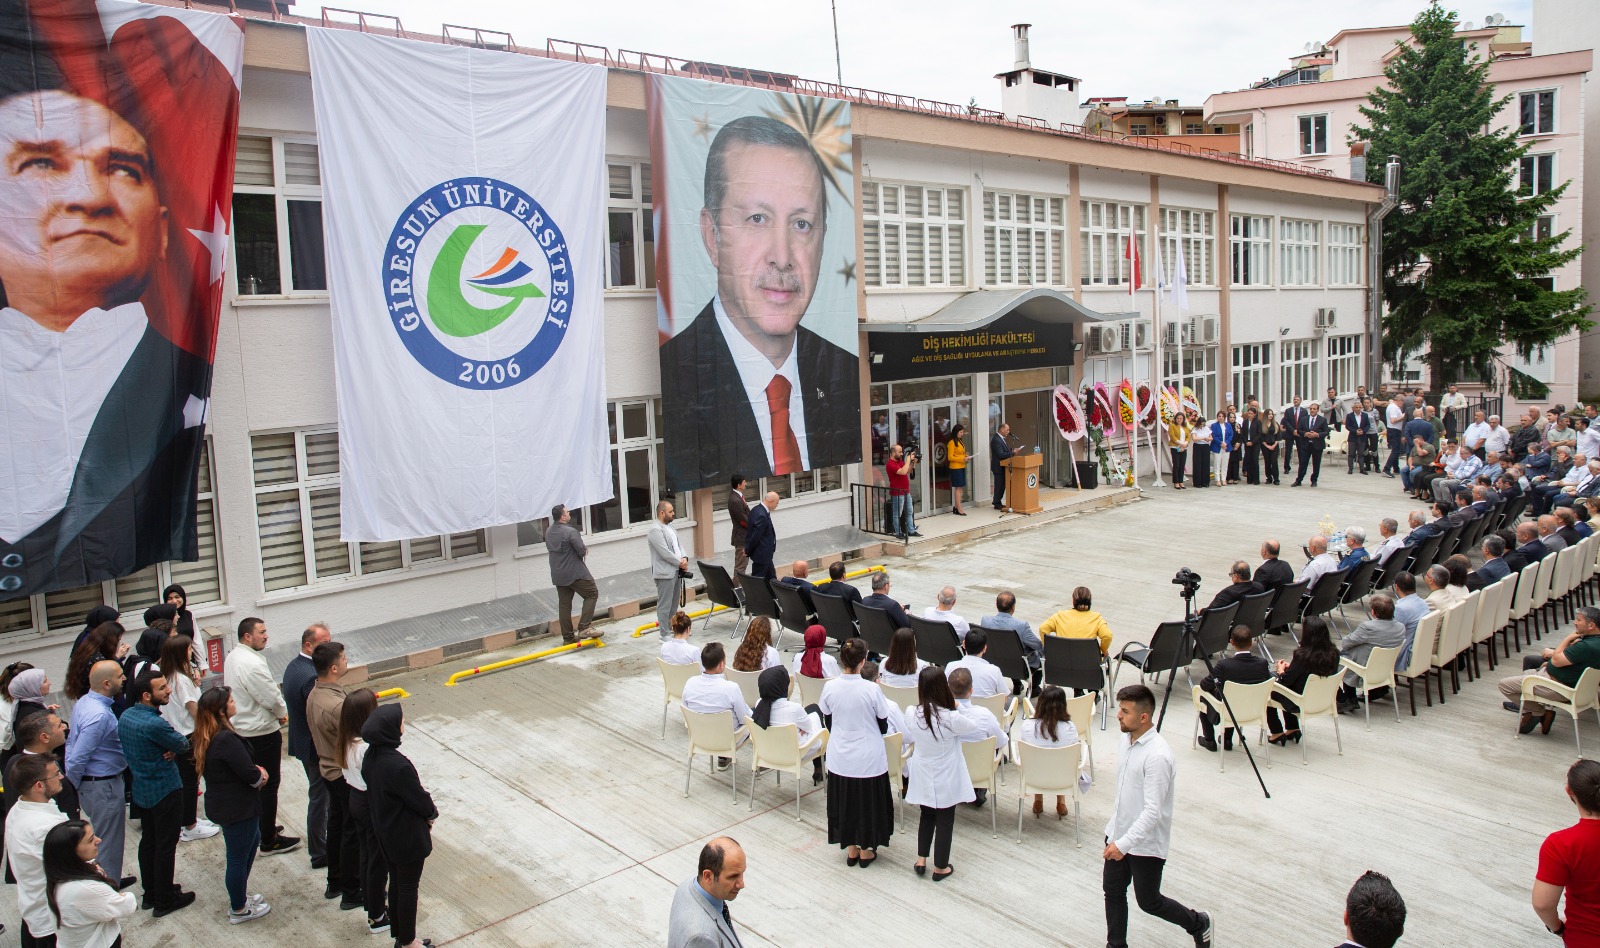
1380, 631
700, 917
569, 575
1005, 607
667, 564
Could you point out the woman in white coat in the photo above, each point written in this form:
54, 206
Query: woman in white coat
860, 802
775, 708
939, 780
814, 662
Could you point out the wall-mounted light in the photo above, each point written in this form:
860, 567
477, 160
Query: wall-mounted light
1077, 347
1284, 331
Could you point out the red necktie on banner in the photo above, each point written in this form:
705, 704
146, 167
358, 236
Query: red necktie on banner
785, 449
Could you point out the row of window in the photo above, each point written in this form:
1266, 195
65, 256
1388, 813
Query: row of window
1301, 364
1536, 115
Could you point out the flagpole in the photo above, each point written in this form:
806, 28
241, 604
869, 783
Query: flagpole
1155, 386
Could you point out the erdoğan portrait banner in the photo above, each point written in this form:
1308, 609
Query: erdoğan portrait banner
118, 124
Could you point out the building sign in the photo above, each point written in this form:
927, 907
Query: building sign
1011, 342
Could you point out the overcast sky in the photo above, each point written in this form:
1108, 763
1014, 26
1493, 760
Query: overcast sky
949, 50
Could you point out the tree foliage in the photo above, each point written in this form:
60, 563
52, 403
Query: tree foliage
1463, 272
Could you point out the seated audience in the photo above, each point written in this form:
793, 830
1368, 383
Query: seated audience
1550, 533
814, 662
901, 667
1079, 622
1005, 608
836, 586
1441, 595
1459, 568
1315, 655
1051, 726
775, 708
711, 692
944, 610
1565, 663
1240, 585
1529, 545
1569, 526
1243, 666
1378, 631
677, 650
799, 570
1355, 539
880, 599
987, 680
1322, 562
1273, 573
1494, 566
1389, 532
1408, 609
756, 653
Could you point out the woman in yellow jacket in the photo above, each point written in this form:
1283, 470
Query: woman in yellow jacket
955, 456
1079, 622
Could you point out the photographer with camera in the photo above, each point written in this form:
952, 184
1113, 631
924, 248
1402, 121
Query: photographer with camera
669, 567
900, 466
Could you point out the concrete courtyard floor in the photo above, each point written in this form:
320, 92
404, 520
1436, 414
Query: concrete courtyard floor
563, 820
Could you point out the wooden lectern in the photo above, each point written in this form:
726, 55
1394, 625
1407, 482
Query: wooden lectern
1022, 483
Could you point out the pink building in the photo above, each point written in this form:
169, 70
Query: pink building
1304, 114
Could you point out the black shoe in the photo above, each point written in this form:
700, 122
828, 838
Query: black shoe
331, 892
1511, 706
319, 862
128, 882
1295, 484
379, 925
1529, 720
283, 844
1202, 938
723, 763
1208, 744
915, 534
921, 870
351, 902
183, 900
982, 797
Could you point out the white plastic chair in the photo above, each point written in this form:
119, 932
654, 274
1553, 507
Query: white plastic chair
1453, 636
1485, 623
1249, 703
673, 678
810, 689
899, 697
749, 684
1051, 770
997, 706
714, 735
1421, 664
1378, 672
778, 749
1320, 699
1081, 709
894, 747
1573, 699
1521, 607
983, 762
1541, 595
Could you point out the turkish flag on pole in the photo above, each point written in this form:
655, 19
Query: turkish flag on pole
1132, 255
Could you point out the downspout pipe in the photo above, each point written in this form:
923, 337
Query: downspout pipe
1391, 197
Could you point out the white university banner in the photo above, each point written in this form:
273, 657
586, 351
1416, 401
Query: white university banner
463, 200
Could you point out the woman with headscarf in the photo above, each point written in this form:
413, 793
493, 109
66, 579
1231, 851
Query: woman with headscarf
776, 708
814, 662
24, 697
97, 617
860, 802
175, 596
402, 815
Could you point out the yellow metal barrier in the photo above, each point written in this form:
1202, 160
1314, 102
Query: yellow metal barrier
464, 674
698, 613
393, 693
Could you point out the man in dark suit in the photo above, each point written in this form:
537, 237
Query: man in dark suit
1273, 572
1374, 913
1312, 439
1293, 421
798, 571
1244, 667
1494, 567
999, 450
739, 517
761, 541
836, 586
880, 599
1529, 546
741, 378
1251, 437
299, 676
1241, 587
88, 233
1357, 424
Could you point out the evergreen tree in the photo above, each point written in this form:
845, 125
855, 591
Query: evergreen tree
1463, 271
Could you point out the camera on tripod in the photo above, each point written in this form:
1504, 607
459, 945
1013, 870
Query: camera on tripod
1189, 580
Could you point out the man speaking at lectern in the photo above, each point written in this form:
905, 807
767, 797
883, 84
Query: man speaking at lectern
999, 450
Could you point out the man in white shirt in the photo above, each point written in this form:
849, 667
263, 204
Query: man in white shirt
987, 680
1464, 471
1389, 531
961, 690
1394, 421
1321, 562
1498, 439
32, 817
710, 692
260, 712
1139, 834
1476, 432
945, 612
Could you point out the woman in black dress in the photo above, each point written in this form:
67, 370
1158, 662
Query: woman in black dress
1316, 655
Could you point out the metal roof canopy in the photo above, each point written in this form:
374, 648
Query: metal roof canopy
979, 308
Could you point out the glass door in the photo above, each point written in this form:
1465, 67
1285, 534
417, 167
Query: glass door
945, 416
910, 434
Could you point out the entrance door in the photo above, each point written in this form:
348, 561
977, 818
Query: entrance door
945, 416
910, 434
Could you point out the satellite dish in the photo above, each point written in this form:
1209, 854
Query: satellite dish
1466, 25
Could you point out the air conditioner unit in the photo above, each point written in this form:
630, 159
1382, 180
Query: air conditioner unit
1179, 332
1206, 330
1326, 317
1104, 340
1143, 331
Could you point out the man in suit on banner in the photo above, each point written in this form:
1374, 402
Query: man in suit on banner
748, 388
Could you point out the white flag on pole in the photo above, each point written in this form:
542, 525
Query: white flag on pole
463, 193
1178, 287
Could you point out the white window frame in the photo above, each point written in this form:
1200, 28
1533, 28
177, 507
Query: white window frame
1138, 128
1344, 362
1024, 239
1199, 373
639, 187
1250, 246
1306, 127
1345, 267
1555, 113
108, 592
1103, 231
283, 192
1544, 227
1194, 128
1299, 251
304, 484
1252, 373
1297, 370
1541, 183
914, 235
1198, 231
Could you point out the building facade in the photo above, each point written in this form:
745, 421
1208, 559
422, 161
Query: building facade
1305, 115
962, 219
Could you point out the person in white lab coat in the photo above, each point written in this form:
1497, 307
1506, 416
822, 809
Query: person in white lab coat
940, 780
897, 718
860, 803
756, 653
775, 708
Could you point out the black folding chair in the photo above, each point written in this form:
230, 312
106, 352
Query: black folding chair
1358, 585
937, 642
1165, 653
1323, 597
834, 614
1427, 554
1253, 611
1211, 635
792, 611
1006, 652
876, 627
1286, 607
1077, 664
722, 592
758, 600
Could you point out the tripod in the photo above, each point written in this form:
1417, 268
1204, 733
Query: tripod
1189, 645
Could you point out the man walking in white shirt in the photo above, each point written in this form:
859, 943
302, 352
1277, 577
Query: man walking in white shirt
1140, 832
261, 713
38, 778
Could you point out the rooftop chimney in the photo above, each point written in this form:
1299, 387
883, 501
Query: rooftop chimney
1019, 42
